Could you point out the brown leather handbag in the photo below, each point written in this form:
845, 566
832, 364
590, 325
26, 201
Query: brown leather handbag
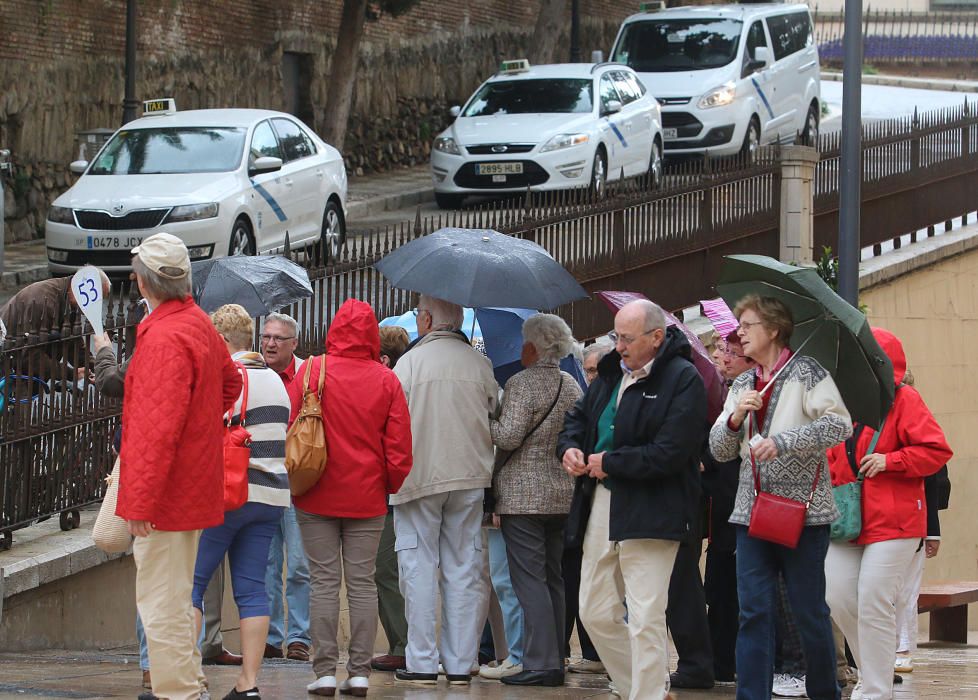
305, 442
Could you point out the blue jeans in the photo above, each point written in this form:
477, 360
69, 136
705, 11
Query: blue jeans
803, 569
286, 550
244, 537
510, 605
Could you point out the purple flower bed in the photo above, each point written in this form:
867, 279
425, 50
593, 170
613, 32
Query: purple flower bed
888, 48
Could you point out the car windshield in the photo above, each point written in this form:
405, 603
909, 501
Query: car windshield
670, 45
536, 96
171, 150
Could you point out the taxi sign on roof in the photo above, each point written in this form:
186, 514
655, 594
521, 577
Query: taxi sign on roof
516, 66
653, 6
161, 106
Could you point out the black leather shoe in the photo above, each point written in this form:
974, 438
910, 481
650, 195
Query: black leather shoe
681, 680
550, 679
404, 676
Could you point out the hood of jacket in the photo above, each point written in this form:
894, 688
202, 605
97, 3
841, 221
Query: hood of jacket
893, 348
354, 332
675, 344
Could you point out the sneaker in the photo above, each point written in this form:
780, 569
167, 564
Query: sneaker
324, 685
236, 694
903, 664
857, 692
585, 666
612, 690
405, 677
501, 670
356, 686
786, 686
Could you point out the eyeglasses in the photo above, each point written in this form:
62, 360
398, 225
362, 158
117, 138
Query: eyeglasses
624, 339
590, 371
275, 338
727, 352
747, 325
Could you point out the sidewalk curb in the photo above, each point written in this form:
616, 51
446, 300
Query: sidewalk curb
19, 278
908, 82
392, 202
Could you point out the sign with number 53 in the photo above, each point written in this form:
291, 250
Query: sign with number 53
86, 287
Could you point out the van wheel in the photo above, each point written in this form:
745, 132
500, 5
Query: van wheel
809, 136
242, 242
599, 174
752, 139
655, 165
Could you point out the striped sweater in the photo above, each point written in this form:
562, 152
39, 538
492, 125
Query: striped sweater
266, 418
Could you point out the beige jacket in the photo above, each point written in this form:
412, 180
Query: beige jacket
451, 394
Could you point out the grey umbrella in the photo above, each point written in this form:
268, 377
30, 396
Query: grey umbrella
261, 284
481, 267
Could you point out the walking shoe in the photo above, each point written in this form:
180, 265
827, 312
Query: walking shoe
148, 695
500, 670
857, 692
405, 677
297, 651
236, 694
682, 680
903, 664
474, 671
272, 652
356, 686
458, 678
612, 690
324, 685
786, 686
585, 666
225, 658
147, 680
387, 662
550, 679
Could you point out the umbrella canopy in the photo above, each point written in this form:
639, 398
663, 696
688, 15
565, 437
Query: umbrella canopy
409, 322
261, 284
720, 316
832, 331
716, 388
480, 267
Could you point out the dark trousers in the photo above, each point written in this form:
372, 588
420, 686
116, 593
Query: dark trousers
803, 568
686, 614
534, 548
390, 604
723, 610
571, 569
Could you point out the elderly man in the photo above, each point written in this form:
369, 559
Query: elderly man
179, 384
451, 394
634, 440
279, 339
592, 355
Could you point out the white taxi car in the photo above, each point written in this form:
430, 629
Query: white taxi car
548, 127
225, 181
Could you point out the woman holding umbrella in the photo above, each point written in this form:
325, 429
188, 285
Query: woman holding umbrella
780, 419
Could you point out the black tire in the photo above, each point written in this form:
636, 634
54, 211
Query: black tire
444, 200
809, 136
599, 174
242, 241
655, 165
752, 139
333, 233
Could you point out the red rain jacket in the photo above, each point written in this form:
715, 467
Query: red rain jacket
893, 501
179, 384
368, 427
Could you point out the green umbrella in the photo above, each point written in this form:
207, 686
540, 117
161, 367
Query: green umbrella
832, 332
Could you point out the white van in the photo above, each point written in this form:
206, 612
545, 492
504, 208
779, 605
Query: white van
728, 77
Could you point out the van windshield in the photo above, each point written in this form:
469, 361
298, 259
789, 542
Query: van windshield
670, 45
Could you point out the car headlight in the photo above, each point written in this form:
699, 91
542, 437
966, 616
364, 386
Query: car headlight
446, 144
61, 215
718, 96
564, 141
192, 212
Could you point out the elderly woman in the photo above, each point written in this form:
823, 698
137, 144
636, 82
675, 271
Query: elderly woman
533, 493
793, 407
246, 534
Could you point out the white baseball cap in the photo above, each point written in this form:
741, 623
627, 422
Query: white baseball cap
164, 254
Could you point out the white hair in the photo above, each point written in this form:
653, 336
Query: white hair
600, 348
163, 288
655, 317
286, 321
550, 335
445, 316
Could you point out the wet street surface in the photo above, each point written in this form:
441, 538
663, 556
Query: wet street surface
939, 672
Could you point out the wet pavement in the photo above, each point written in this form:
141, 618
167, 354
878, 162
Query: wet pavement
939, 672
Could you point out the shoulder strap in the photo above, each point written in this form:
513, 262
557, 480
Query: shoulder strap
536, 425
851, 447
244, 392
306, 374
322, 376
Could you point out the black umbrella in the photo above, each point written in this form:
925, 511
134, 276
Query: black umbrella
481, 267
261, 284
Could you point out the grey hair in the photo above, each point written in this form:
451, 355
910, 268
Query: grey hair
655, 317
286, 321
550, 335
445, 316
599, 348
163, 288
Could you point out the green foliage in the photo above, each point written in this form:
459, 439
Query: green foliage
827, 268
869, 69
424, 131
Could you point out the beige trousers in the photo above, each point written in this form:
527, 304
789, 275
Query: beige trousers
164, 581
635, 653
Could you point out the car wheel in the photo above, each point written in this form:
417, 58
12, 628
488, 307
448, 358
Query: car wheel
333, 233
449, 201
599, 174
242, 242
809, 136
752, 139
655, 165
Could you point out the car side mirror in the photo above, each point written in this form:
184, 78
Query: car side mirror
762, 55
611, 107
265, 164
455, 111
78, 166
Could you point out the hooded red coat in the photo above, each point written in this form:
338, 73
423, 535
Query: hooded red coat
893, 502
368, 427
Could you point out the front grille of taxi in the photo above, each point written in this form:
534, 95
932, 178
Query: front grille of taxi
95, 220
685, 124
532, 174
488, 149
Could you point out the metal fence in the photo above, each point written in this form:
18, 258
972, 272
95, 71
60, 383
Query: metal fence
668, 243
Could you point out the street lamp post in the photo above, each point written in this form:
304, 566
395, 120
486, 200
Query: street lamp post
130, 103
575, 32
4, 165
850, 157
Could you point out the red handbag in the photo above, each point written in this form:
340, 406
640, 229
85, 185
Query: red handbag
237, 452
775, 518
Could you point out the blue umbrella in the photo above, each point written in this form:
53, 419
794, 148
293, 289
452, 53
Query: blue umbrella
409, 322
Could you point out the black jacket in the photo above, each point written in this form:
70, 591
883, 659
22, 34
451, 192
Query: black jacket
653, 470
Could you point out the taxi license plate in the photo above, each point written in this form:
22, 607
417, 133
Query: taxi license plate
113, 242
498, 168
670, 133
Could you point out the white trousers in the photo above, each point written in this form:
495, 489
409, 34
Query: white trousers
906, 607
862, 585
635, 653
